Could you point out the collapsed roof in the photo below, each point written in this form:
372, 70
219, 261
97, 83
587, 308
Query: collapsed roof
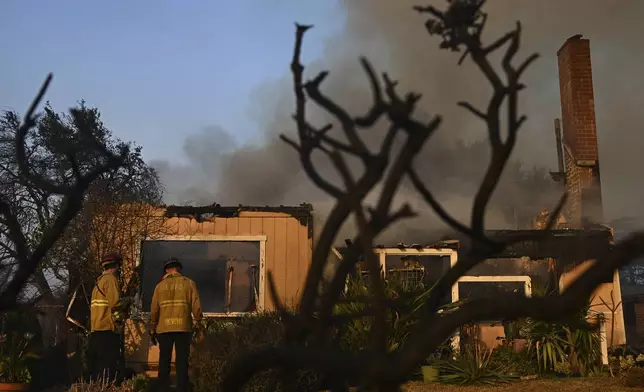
568, 246
303, 212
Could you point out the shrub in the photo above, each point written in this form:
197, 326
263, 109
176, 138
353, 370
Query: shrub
621, 365
571, 347
559, 347
136, 384
19, 338
408, 298
224, 341
623, 350
475, 366
517, 363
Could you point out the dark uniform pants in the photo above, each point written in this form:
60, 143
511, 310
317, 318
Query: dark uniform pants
104, 347
181, 343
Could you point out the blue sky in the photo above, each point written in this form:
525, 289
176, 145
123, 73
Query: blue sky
158, 70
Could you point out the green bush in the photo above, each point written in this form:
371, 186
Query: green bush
407, 300
620, 365
474, 367
518, 363
571, 347
355, 334
224, 341
137, 384
19, 338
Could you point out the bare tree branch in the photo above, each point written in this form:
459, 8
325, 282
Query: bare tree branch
309, 332
72, 195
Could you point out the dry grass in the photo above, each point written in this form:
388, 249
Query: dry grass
594, 384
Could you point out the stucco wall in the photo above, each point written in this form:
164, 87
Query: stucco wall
600, 295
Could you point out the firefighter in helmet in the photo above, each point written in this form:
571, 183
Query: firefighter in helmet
104, 340
175, 307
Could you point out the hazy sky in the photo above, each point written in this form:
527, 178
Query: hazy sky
157, 69
179, 77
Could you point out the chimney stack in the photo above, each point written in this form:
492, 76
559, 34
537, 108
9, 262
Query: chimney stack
579, 133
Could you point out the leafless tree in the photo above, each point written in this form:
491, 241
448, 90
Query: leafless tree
114, 218
100, 226
26, 243
309, 330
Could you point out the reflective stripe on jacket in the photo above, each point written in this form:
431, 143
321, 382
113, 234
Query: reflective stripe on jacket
174, 303
105, 297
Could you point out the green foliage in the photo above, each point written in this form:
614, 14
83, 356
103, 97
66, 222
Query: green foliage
139, 383
16, 347
407, 300
57, 144
79, 133
517, 363
584, 349
136, 384
548, 344
225, 341
474, 366
14, 357
620, 365
570, 347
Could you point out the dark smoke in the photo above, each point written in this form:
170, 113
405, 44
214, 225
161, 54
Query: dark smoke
392, 36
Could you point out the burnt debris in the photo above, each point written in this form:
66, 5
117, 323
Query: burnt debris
568, 244
303, 212
566, 248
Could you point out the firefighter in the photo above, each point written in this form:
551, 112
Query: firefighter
175, 306
104, 340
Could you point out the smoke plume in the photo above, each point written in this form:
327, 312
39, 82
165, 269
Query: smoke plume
393, 37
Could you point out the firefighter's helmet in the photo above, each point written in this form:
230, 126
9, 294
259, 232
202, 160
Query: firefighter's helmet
111, 260
172, 262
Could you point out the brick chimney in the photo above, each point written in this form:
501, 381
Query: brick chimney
579, 133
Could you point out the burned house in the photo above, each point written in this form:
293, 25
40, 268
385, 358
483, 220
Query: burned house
228, 252
545, 264
553, 259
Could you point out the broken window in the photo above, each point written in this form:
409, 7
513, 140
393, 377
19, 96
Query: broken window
226, 272
414, 269
490, 289
470, 290
534, 268
417, 271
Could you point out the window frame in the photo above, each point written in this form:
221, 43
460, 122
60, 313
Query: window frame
382, 254
527, 282
453, 255
453, 259
260, 301
489, 279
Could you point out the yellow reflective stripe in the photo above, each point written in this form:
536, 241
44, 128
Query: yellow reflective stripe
165, 304
173, 301
99, 303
